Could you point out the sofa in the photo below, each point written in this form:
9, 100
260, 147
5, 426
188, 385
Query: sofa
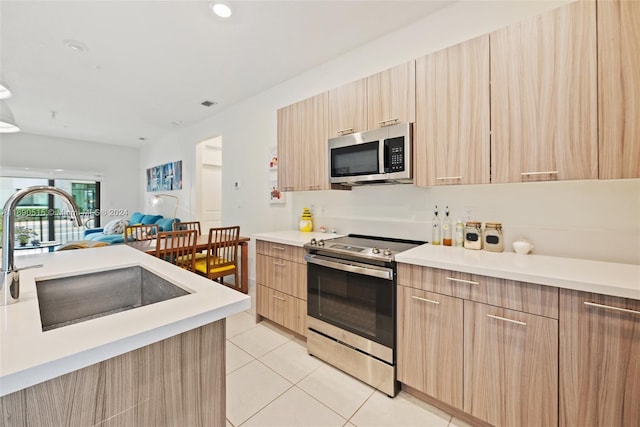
113, 231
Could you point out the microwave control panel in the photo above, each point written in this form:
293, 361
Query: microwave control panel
394, 154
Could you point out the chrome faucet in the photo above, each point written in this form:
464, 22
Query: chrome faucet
10, 280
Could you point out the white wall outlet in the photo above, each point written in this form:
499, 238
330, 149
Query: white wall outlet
469, 213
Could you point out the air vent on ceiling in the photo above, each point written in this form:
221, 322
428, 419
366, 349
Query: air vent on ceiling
208, 103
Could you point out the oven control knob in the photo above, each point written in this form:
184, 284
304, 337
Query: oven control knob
375, 251
320, 242
313, 242
387, 252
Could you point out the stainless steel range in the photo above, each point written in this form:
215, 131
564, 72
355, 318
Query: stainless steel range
351, 305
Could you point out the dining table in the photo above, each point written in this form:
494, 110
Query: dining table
149, 246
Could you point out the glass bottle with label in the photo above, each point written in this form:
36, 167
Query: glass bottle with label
459, 233
446, 229
492, 237
435, 230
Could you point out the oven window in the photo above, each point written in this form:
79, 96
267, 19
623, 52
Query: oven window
353, 160
358, 303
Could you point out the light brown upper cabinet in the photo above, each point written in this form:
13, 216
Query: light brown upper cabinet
544, 97
452, 103
302, 145
391, 96
619, 88
348, 108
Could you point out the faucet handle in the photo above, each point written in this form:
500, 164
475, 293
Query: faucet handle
28, 267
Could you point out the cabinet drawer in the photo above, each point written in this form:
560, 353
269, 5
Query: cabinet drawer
282, 275
282, 309
277, 250
511, 294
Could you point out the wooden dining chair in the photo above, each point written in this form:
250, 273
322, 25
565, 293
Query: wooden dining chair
138, 232
222, 255
177, 247
187, 225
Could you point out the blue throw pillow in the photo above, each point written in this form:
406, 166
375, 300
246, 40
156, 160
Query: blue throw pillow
165, 224
136, 218
150, 219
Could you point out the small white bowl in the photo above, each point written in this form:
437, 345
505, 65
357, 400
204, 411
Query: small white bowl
522, 246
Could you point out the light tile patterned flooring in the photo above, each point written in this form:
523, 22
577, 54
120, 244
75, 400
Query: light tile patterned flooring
272, 381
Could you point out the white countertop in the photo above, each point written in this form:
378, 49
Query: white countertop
29, 356
622, 280
293, 237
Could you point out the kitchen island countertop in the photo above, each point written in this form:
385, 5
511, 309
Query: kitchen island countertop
29, 356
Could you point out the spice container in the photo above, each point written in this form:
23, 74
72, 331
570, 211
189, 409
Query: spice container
492, 237
473, 235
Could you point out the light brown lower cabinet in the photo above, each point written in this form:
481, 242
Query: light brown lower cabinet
599, 360
510, 366
283, 309
430, 344
179, 381
281, 292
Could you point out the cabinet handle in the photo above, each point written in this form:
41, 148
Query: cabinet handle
278, 248
609, 307
384, 122
313, 187
444, 178
539, 173
280, 298
345, 131
425, 300
517, 322
468, 282
279, 265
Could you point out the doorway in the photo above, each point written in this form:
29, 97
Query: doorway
209, 183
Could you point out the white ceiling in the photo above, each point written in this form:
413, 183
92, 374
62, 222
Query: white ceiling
151, 63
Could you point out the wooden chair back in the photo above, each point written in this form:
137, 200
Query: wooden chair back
177, 247
187, 225
222, 254
138, 232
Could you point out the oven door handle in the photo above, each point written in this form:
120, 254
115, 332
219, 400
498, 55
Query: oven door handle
351, 267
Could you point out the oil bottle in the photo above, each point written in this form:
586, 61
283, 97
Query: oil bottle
435, 230
446, 228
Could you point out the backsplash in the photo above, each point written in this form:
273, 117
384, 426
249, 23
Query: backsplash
597, 220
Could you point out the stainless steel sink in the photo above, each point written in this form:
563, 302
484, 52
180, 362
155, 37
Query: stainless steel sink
67, 300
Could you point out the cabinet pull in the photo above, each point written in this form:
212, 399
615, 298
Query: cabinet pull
609, 307
388, 122
345, 131
313, 187
277, 248
468, 282
539, 173
425, 300
280, 298
279, 265
517, 322
444, 178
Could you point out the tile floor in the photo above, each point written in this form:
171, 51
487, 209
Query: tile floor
272, 381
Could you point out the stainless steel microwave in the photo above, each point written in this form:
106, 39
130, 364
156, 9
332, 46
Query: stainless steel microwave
377, 156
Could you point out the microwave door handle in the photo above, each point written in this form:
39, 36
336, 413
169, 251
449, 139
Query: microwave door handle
385, 156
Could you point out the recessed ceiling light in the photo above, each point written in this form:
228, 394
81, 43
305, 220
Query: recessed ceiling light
176, 122
4, 92
76, 45
221, 9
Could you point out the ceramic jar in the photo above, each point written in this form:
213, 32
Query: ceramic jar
306, 222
